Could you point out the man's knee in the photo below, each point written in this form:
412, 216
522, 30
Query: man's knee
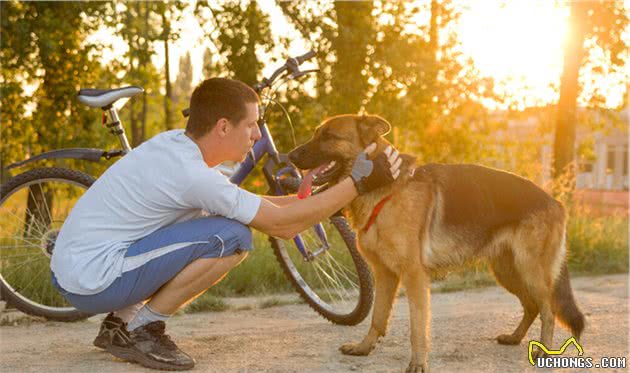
236, 239
238, 257
240, 230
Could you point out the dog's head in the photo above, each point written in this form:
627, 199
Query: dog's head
336, 143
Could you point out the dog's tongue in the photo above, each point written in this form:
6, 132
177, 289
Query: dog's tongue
307, 182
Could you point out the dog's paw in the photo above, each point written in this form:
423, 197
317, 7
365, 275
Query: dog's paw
415, 367
508, 339
356, 349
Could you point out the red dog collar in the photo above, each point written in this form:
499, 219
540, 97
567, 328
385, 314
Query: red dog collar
375, 212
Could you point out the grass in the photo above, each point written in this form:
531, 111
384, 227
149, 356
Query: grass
276, 302
597, 245
474, 275
207, 303
259, 274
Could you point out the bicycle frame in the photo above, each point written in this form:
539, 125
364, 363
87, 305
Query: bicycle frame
86, 154
264, 146
261, 148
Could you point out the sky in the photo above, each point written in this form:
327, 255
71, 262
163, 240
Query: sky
518, 43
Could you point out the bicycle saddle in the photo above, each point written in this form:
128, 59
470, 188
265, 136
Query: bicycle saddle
103, 98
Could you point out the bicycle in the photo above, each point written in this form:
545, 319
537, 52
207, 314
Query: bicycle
322, 263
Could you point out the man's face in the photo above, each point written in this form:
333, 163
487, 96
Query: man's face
243, 134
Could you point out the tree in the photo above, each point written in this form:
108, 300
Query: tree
140, 31
44, 45
238, 30
601, 21
168, 97
207, 70
145, 25
355, 32
183, 82
417, 78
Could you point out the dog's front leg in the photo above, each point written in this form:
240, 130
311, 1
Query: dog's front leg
417, 283
386, 283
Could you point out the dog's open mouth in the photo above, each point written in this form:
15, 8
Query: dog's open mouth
319, 175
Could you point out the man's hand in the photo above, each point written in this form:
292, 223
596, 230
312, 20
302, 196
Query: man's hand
287, 221
373, 174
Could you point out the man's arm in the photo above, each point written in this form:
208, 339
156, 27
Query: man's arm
289, 220
281, 200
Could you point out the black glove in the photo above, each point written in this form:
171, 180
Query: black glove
372, 174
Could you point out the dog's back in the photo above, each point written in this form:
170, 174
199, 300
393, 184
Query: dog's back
482, 201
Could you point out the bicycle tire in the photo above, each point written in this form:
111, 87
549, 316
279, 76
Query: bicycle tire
365, 296
15, 297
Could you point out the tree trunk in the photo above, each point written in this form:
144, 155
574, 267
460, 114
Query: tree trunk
145, 61
564, 142
132, 110
355, 32
168, 96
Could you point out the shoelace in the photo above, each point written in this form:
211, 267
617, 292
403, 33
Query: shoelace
157, 331
167, 342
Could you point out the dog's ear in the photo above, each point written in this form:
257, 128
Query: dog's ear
371, 127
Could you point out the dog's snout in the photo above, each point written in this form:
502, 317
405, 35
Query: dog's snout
296, 154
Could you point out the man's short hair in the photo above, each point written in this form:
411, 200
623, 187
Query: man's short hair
217, 98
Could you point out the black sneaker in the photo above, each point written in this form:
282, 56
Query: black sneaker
150, 347
110, 329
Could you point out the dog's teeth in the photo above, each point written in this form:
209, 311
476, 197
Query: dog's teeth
330, 165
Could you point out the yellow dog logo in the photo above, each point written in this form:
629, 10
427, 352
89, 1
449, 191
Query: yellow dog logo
554, 352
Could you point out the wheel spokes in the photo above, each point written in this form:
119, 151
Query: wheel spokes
30, 217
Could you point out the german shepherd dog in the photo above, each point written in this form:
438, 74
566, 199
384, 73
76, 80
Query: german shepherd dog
437, 216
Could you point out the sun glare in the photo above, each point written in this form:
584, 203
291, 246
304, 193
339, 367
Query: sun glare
519, 43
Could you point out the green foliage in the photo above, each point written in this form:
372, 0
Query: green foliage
144, 24
375, 57
44, 48
183, 83
239, 31
598, 244
206, 303
355, 32
258, 274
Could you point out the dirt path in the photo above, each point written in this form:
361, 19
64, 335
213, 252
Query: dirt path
294, 339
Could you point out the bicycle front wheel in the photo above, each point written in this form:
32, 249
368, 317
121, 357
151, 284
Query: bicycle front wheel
33, 207
335, 281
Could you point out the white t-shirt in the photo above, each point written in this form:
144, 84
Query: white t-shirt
161, 182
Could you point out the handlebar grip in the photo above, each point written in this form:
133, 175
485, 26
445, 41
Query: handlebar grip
307, 56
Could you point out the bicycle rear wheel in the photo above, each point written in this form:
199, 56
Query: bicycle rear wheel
337, 283
33, 207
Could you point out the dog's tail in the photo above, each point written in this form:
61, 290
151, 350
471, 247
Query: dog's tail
563, 303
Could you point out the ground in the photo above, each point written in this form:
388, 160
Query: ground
293, 338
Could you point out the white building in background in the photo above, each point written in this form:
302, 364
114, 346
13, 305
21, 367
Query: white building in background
605, 169
609, 169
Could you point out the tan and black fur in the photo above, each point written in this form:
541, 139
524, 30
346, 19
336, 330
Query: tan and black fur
441, 216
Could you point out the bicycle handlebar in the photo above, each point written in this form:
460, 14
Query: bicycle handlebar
305, 57
292, 64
